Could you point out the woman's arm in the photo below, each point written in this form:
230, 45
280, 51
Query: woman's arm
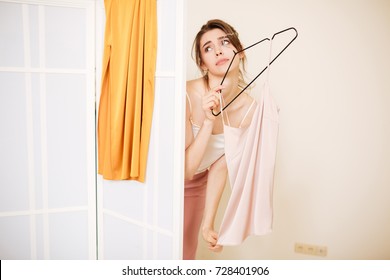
196, 146
195, 151
215, 186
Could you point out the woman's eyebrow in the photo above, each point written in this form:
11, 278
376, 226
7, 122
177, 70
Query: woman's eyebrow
206, 43
219, 38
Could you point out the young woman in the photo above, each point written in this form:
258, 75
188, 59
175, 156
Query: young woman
205, 165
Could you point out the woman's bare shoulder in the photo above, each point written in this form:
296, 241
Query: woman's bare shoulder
246, 110
195, 87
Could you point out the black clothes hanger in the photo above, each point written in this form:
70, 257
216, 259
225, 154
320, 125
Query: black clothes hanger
235, 53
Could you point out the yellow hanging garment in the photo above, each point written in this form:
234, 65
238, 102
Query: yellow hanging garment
127, 92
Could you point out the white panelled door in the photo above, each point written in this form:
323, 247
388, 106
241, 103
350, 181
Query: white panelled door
144, 221
51, 204
47, 124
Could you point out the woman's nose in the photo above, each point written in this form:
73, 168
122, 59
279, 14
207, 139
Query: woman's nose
218, 52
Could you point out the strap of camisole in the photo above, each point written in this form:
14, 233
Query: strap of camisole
269, 61
221, 106
247, 112
227, 116
189, 103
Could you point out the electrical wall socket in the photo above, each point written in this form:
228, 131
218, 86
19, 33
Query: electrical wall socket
309, 249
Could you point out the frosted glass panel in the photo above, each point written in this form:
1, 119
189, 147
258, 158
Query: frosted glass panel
149, 250
39, 237
166, 88
124, 197
13, 143
65, 35
147, 209
66, 140
122, 240
37, 137
164, 247
14, 238
151, 179
69, 236
166, 51
34, 34
43, 126
11, 34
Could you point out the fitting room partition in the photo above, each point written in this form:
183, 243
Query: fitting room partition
52, 203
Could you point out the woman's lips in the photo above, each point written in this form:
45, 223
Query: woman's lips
221, 61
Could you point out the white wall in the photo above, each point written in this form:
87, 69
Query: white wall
332, 184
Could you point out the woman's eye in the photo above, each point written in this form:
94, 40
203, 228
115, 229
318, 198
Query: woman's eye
225, 42
207, 49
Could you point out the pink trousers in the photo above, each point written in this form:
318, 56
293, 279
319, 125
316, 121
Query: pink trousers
194, 202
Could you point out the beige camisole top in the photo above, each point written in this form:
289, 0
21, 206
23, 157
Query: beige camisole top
215, 147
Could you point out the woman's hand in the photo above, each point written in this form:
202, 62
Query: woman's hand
211, 237
211, 101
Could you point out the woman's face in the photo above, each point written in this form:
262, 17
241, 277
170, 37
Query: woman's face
216, 52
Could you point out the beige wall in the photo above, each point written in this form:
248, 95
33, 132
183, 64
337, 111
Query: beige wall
332, 184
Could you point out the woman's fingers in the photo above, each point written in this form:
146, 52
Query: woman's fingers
217, 89
211, 101
216, 248
212, 97
211, 104
211, 237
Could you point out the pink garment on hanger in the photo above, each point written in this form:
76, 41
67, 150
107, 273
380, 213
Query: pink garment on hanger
250, 155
